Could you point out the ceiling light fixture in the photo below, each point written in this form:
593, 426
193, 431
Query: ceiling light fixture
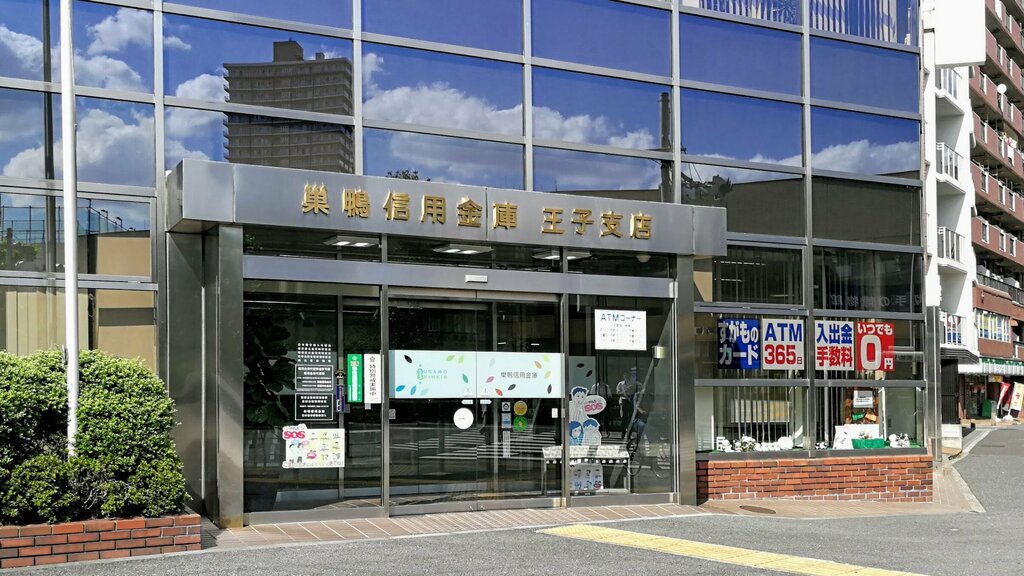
462, 249
554, 254
351, 242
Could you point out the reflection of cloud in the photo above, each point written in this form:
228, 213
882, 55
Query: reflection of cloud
20, 117
182, 122
456, 160
124, 27
174, 42
860, 157
576, 171
112, 150
439, 104
19, 53
107, 72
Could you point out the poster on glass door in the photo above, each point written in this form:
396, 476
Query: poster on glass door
425, 374
519, 375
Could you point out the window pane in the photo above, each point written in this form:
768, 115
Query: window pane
751, 274
885, 20
837, 74
865, 143
598, 110
758, 202
119, 322
26, 118
493, 25
260, 140
337, 13
570, 172
740, 128
608, 263
444, 159
23, 244
867, 280
720, 355
113, 47
859, 418
22, 39
496, 256
434, 89
785, 11
115, 139
867, 212
603, 33
743, 56
113, 237
729, 417
218, 61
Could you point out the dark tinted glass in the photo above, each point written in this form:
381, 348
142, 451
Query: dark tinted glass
740, 128
113, 46
337, 13
603, 33
784, 11
569, 172
598, 110
609, 263
23, 243
434, 89
26, 118
867, 280
742, 55
886, 20
866, 75
864, 143
494, 24
441, 158
758, 275
758, 202
218, 61
867, 212
261, 140
113, 237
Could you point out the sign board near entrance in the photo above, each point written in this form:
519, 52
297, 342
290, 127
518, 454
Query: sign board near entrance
307, 448
314, 407
782, 343
620, 330
355, 378
314, 368
425, 374
372, 379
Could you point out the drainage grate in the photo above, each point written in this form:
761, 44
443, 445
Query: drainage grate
757, 509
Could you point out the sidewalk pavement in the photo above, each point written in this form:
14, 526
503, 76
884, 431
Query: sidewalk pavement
951, 496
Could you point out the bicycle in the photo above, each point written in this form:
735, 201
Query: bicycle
639, 447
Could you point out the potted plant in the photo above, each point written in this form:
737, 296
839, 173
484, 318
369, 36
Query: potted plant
268, 372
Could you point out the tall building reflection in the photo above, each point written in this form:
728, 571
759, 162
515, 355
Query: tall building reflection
290, 81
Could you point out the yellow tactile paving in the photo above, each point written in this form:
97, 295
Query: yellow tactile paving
717, 552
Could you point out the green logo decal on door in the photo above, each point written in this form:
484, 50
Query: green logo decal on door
355, 379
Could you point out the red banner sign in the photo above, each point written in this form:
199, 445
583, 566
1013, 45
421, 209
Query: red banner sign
876, 344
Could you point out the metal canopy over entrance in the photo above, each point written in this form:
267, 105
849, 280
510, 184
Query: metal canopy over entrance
405, 453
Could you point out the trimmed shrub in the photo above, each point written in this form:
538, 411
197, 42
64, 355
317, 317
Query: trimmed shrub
125, 463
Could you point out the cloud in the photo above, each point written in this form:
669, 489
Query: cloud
106, 72
456, 160
19, 53
111, 149
864, 157
21, 116
175, 43
572, 171
182, 123
114, 33
372, 64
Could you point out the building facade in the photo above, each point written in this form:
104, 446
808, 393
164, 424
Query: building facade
410, 256
996, 94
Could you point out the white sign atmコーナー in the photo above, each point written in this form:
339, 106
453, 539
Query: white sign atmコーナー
620, 329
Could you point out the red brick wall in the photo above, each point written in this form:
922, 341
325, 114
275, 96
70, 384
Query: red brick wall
894, 478
96, 539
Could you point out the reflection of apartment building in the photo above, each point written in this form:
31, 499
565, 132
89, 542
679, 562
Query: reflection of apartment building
321, 85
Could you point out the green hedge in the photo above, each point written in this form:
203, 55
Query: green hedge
125, 464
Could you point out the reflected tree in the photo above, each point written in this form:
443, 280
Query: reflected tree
406, 174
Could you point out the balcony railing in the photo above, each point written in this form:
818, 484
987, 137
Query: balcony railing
955, 330
949, 161
949, 80
1016, 294
950, 244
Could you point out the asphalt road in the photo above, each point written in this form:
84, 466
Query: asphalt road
954, 545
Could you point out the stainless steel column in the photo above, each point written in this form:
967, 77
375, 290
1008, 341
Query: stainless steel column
685, 358
224, 390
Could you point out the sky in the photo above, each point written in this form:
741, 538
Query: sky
114, 50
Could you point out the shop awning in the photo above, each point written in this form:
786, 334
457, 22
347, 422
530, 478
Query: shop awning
995, 366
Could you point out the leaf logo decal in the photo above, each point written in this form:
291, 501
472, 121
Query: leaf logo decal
407, 358
465, 379
512, 387
547, 374
400, 387
499, 392
549, 388
537, 364
490, 379
412, 392
450, 358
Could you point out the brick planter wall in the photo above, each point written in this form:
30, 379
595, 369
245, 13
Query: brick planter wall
897, 478
97, 539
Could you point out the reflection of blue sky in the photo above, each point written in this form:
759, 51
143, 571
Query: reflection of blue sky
113, 46
732, 54
195, 134
115, 142
336, 13
863, 143
492, 24
740, 128
866, 75
443, 159
609, 34
707, 173
100, 216
596, 110
567, 171
194, 66
21, 128
430, 88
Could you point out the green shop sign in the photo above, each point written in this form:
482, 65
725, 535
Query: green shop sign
354, 388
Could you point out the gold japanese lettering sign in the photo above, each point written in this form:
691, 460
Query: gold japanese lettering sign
343, 203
